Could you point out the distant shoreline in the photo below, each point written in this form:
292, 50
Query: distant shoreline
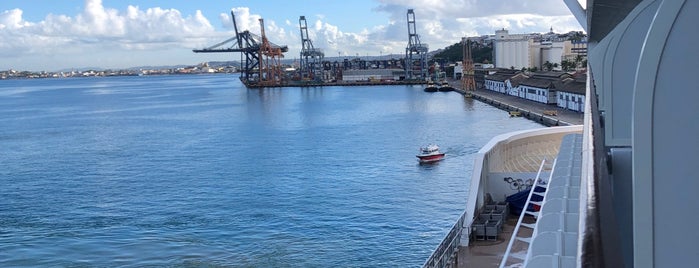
6, 75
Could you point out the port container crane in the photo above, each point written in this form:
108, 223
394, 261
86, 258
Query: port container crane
311, 58
271, 72
260, 65
415, 52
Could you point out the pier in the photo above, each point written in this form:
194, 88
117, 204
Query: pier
336, 83
548, 115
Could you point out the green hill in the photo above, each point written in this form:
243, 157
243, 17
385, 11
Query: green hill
481, 53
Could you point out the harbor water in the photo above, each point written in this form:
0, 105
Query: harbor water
197, 170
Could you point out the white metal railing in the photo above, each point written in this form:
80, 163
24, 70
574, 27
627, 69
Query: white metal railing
535, 231
481, 167
444, 253
521, 216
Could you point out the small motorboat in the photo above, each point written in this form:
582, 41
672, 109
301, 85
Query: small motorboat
430, 153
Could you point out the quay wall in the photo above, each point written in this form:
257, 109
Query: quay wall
338, 83
526, 112
529, 111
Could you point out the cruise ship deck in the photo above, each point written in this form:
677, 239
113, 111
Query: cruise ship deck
545, 237
507, 165
484, 253
625, 195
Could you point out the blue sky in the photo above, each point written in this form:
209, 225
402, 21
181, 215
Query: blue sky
334, 11
51, 35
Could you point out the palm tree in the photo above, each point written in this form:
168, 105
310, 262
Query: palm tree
567, 65
548, 66
578, 60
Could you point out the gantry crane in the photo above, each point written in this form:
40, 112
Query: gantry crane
258, 53
469, 83
415, 52
311, 58
271, 72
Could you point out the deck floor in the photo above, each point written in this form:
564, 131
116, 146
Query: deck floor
489, 253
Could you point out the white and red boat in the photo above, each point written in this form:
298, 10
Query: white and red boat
430, 153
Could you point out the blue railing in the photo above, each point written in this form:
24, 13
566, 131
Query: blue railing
443, 255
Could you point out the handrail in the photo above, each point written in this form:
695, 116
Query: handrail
546, 193
480, 168
442, 255
521, 216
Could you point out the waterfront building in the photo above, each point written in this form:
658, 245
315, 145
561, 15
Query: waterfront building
479, 76
513, 88
539, 89
571, 94
496, 82
559, 88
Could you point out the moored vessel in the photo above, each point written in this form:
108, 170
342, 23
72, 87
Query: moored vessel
431, 87
445, 87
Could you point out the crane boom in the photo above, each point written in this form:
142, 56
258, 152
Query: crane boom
235, 27
415, 52
260, 59
311, 58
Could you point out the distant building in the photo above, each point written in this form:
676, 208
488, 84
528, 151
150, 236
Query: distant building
372, 74
571, 94
549, 51
539, 89
520, 51
555, 88
458, 70
496, 79
512, 50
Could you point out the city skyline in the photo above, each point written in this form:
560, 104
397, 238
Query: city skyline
44, 35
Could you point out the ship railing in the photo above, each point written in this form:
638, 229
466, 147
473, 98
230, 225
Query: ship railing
443, 255
524, 212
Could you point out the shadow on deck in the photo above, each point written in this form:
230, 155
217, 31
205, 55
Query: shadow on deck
484, 253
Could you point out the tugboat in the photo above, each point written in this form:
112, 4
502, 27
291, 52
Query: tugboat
430, 153
431, 87
445, 87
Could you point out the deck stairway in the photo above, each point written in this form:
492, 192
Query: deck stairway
554, 235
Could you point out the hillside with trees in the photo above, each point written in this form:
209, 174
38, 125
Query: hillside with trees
481, 53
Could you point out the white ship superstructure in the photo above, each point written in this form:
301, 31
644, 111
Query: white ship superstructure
619, 191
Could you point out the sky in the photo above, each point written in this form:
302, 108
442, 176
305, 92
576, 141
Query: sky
49, 35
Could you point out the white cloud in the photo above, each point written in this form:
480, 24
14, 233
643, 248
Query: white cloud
475, 8
440, 23
245, 20
98, 28
12, 19
123, 38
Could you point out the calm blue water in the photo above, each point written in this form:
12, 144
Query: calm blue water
199, 171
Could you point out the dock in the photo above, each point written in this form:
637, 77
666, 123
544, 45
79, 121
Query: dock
301, 83
545, 114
